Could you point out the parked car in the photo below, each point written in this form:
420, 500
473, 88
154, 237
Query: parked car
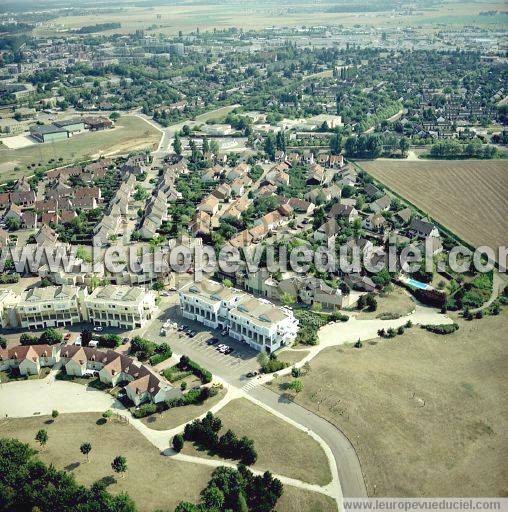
97, 328
192, 333
213, 341
229, 350
252, 374
67, 336
224, 332
125, 341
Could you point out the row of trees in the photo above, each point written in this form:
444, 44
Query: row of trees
205, 433
237, 490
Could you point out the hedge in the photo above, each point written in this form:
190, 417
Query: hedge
188, 364
442, 328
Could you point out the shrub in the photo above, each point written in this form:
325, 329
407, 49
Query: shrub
273, 365
188, 364
110, 340
442, 328
178, 443
145, 410
400, 330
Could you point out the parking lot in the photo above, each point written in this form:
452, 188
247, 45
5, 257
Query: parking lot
231, 366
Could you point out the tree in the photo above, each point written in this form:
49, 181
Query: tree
371, 302
13, 224
51, 337
177, 145
296, 385
213, 498
335, 145
404, 145
114, 116
178, 442
287, 299
42, 437
86, 337
3, 342
85, 449
270, 146
119, 464
262, 358
54, 414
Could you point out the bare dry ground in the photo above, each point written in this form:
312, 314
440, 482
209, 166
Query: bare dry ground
130, 133
427, 414
466, 196
281, 448
152, 480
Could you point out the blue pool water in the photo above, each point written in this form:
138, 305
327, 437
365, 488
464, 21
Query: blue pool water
417, 284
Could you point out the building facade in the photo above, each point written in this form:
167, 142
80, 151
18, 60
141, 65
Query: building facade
256, 322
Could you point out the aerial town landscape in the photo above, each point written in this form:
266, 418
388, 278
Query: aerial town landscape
253, 255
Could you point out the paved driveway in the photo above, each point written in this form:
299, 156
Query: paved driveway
33, 397
231, 367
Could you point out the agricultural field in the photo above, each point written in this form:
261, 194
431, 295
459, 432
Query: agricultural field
130, 133
467, 196
168, 20
164, 482
426, 413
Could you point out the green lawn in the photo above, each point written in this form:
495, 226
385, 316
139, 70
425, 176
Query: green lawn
130, 133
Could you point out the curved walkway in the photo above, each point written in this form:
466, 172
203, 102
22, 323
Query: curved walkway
40, 397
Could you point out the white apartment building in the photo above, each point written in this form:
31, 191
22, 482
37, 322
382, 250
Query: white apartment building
120, 306
256, 322
53, 306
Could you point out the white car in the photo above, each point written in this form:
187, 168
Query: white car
97, 328
78, 341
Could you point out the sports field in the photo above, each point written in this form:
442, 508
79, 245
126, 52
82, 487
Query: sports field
466, 196
130, 133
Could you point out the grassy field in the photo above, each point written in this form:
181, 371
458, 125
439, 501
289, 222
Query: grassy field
281, 448
426, 413
131, 133
299, 500
395, 304
152, 480
169, 19
468, 196
180, 415
292, 356
219, 113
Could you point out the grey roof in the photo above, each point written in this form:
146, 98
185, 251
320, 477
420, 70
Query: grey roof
46, 129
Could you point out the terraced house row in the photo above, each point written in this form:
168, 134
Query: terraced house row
256, 322
111, 367
57, 306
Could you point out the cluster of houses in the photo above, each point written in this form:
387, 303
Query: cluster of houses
111, 368
121, 306
60, 199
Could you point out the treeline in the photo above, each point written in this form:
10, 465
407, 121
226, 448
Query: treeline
454, 150
237, 490
26, 483
99, 27
205, 433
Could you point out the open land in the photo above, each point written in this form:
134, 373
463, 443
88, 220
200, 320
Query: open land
179, 415
425, 413
467, 196
130, 133
175, 481
281, 447
254, 15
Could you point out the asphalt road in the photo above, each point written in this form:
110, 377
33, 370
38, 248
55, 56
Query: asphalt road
346, 460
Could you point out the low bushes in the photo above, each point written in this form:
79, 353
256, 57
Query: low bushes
187, 364
110, 340
442, 328
162, 352
49, 336
205, 433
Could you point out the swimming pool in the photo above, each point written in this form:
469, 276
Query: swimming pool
417, 284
